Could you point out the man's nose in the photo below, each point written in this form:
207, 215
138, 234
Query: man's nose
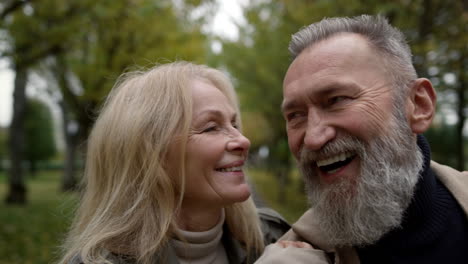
318, 132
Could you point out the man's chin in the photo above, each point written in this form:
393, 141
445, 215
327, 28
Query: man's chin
341, 230
340, 190
347, 217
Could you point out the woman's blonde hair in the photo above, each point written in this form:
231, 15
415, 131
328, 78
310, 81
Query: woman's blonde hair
129, 201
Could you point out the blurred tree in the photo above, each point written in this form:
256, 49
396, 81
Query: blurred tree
25, 42
3, 146
256, 129
90, 43
440, 46
39, 134
120, 34
17, 189
87, 44
9, 6
441, 138
258, 61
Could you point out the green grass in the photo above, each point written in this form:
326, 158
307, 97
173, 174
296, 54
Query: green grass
294, 203
31, 234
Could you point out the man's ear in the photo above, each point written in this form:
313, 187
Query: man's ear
422, 103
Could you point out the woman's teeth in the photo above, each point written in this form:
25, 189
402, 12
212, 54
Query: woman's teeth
239, 168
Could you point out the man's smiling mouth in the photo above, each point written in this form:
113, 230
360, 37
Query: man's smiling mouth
334, 163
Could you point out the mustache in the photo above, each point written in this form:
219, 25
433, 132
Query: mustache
335, 147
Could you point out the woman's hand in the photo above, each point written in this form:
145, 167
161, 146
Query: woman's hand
297, 244
296, 252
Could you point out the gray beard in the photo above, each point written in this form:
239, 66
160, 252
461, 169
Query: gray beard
360, 210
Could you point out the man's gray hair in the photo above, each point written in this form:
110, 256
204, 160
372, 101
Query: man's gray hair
387, 40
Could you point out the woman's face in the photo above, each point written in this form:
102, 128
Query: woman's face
216, 151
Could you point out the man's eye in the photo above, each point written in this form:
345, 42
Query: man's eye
336, 99
293, 115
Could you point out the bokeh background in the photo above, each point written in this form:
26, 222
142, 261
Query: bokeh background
63, 56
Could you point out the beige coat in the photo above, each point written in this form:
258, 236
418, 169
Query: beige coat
306, 229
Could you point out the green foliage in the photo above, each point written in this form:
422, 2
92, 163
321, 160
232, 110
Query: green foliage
256, 128
32, 234
120, 34
90, 43
258, 61
39, 132
295, 200
443, 140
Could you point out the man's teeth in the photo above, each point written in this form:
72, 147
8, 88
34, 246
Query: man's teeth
239, 168
333, 159
333, 171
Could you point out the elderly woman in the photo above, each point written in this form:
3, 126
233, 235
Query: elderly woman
164, 178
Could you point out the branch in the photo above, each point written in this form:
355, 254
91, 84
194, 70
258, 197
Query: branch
12, 7
32, 58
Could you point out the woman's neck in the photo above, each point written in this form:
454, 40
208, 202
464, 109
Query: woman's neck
198, 219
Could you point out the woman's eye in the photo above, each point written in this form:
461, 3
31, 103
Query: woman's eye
210, 129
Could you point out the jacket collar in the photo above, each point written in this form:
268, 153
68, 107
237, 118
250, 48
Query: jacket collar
235, 252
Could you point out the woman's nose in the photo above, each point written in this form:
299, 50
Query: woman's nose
238, 143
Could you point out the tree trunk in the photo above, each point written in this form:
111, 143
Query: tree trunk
69, 181
461, 113
17, 188
32, 168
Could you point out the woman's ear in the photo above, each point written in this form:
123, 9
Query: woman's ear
422, 104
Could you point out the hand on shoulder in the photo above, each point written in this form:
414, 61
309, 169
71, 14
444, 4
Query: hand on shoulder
292, 252
297, 244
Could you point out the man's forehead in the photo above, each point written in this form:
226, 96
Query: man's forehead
336, 49
339, 50
344, 43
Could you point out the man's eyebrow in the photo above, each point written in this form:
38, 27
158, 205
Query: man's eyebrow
288, 104
336, 87
325, 90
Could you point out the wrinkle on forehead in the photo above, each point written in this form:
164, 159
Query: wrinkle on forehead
336, 51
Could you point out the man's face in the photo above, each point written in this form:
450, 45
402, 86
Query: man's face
355, 148
359, 211
336, 87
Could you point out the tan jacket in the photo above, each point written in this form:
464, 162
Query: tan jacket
306, 229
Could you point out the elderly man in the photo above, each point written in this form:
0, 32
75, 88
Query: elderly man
355, 110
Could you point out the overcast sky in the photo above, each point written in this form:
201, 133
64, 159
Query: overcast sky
6, 93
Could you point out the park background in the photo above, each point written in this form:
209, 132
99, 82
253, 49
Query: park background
65, 55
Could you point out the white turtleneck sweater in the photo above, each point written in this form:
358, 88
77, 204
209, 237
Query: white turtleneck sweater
201, 247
